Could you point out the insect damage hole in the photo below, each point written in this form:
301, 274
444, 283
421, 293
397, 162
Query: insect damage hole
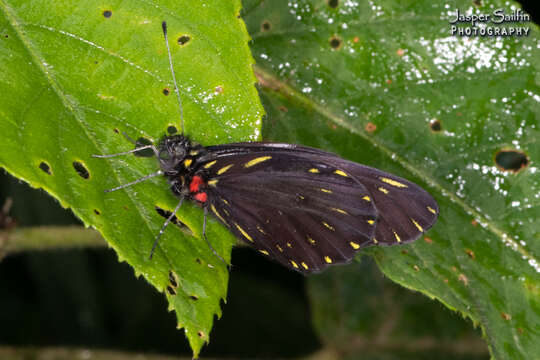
166, 91
183, 40
171, 130
81, 169
107, 14
165, 214
266, 26
97, 212
511, 160
146, 152
45, 167
333, 3
435, 125
335, 42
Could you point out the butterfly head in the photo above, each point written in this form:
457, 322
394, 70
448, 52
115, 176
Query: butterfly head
172, 151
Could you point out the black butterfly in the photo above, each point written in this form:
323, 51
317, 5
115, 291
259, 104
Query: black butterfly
304, 207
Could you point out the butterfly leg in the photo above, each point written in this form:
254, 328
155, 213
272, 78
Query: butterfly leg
164, 226
206, 239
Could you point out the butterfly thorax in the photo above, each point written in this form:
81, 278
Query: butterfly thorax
178, 158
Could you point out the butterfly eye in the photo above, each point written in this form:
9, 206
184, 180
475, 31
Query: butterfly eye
164, 155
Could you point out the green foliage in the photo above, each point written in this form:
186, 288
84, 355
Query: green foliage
74, 73
369, 82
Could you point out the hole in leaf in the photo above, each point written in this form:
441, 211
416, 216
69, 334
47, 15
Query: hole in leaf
166, 91
333, 3
199, 261
435, 125
6, 36
477, 2
511, 160
266, 26
146, 152
218, 90
97, 212
335, 42
116, 130
183, 40
107, 13
201, 334
45, 167
172, 279
171, 290
165, 214
283, 109
81, 169
194, 297
370, 127
172, 130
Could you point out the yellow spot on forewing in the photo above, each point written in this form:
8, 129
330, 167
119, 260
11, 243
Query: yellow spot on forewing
214, 210
289, 245
193, 152
371, 222
187, 162
341, 211
383, 190
279, 248
246, 235
264, 252
256, 161
432, 210
210, 164
420, 228
223, 169
305, 265
393, 182
398, 239
341, 172
328, 259
328, 226
314, 170
367, 198
225, 201
354, 245
375, 241
326, 191
311, 241
294, 264
260, 229
213, 182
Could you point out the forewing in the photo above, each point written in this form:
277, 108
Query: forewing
303, 213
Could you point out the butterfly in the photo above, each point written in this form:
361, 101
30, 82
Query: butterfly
302, 207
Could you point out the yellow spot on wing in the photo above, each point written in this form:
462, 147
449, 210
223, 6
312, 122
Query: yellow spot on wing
210, 164
214, 210
294, 264
328, 259
225, 201
432, 210
375, 241
314, 171
223, 169
260, 229
289, 245
328, 225
354, 245
371, 222
367, 198
256, 161
326, 191
417, 225
193, 152
393, 182
340, 211
187, 162
341, 172
381, 189
246, 235
398, 239
305, 265
311, 241
279, 248
264, 252
212, 182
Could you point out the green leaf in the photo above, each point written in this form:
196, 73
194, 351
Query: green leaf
74, 74
371, 81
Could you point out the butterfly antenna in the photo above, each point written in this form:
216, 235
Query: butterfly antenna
159, 172
164, 27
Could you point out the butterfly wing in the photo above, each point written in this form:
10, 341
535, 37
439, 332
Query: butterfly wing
307, 208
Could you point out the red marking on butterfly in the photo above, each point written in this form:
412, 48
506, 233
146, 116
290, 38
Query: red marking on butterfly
196, 182
202, 197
